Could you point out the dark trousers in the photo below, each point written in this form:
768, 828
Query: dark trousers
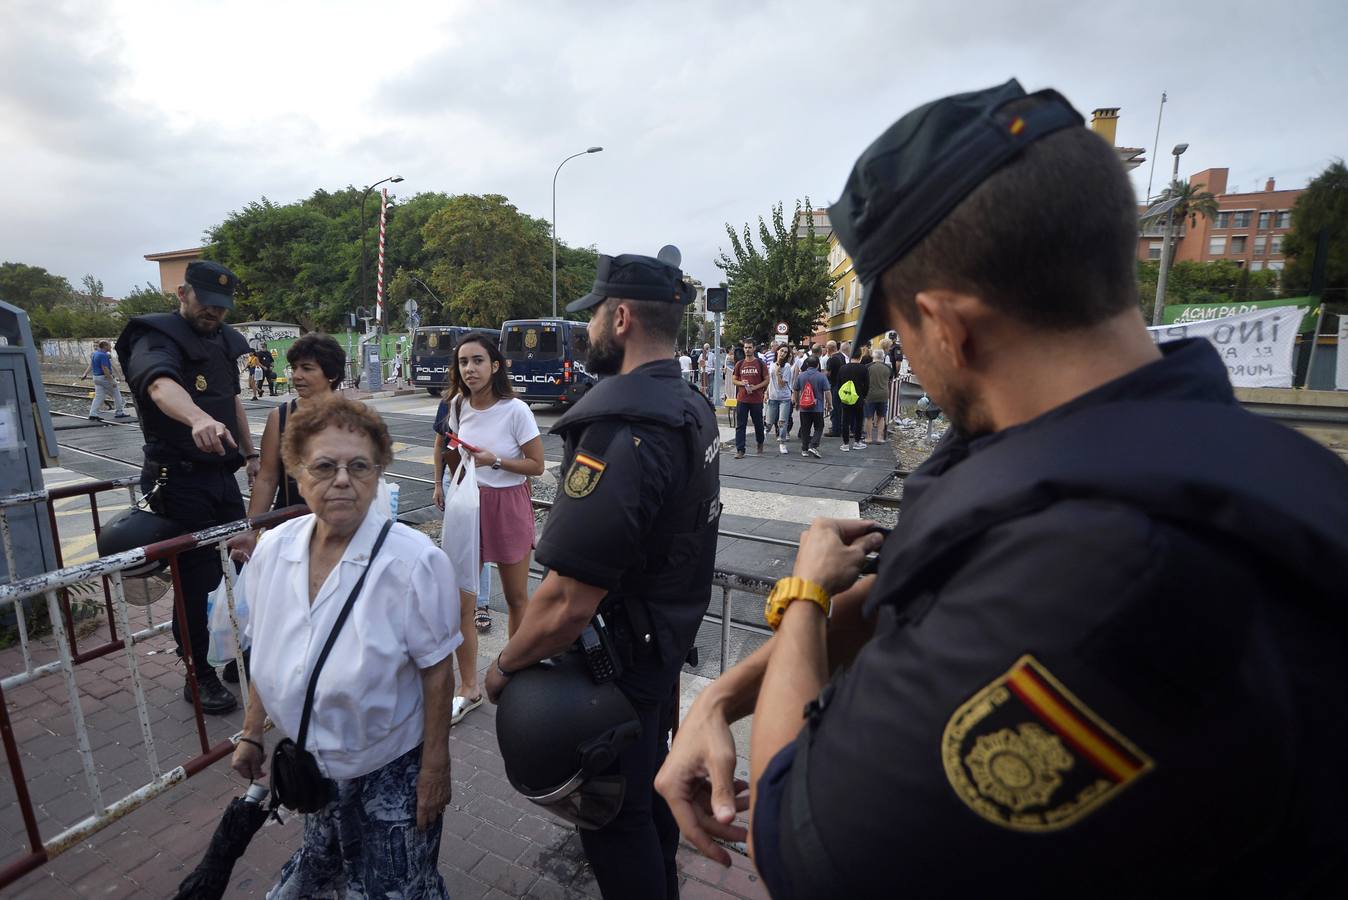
744, 412
835, 416
811, 422
196, 499
633, 856
853, 422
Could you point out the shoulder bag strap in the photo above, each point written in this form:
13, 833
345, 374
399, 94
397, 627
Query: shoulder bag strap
284, 409
332, 636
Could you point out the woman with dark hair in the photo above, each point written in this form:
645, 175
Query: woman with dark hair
317, 362
480, 407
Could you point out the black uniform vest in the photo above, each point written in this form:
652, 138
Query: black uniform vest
210, 376
664, 594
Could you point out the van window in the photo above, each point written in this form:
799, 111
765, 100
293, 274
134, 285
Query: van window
514, 342
431, 340
541, 341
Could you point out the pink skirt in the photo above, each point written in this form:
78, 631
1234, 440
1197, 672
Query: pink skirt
506, 522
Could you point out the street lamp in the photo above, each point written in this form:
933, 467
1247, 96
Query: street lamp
428, 290
364, 298
554, 221
1165, 245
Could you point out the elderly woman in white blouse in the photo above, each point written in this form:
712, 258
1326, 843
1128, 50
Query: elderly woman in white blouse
379, 725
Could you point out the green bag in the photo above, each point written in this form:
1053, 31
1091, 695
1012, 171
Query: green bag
848, 393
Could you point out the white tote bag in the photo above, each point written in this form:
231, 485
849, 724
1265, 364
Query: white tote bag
221, 646
459, 536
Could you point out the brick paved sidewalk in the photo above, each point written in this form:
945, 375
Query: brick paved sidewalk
495, 844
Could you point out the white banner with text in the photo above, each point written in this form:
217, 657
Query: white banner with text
1258, 347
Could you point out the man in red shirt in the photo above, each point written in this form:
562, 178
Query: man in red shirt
751, 381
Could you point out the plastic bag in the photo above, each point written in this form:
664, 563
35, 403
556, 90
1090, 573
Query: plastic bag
459, 535
386, 500
221, 649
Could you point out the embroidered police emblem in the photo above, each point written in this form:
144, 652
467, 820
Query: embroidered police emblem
1026, 754
583, 476
201, 382
224, 280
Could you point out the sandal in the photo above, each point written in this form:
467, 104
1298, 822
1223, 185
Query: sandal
461, 707
482, 620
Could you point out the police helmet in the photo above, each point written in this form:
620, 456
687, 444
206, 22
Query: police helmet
560, 733
134, 528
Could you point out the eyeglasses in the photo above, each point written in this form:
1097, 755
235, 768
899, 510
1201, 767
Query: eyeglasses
326, 469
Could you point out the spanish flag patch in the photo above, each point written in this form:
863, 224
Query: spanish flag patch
1026, 754
583, 476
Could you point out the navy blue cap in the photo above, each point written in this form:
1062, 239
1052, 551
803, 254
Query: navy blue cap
906, 182
635, 277
213, 283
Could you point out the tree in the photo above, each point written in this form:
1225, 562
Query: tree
787, 280
490, 261
32, 287
1324, 205
1193, 202
145, 300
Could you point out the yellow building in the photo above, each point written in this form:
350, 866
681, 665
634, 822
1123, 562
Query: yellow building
845, 306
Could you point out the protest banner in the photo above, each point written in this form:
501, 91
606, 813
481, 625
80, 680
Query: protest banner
1187, 313
1258, 347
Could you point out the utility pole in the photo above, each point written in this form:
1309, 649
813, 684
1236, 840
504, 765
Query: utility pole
1155, 147
1165, 245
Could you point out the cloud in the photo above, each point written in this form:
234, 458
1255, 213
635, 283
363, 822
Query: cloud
131, 128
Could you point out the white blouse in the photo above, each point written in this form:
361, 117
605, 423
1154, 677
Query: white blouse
368, 707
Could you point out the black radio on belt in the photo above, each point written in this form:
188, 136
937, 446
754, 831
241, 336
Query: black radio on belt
596, 645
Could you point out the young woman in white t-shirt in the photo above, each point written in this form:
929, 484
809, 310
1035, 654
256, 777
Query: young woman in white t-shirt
481, 408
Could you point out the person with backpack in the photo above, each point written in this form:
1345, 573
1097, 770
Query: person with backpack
833, 363
853, 386
813, 399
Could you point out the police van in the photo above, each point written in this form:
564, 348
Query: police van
545, 358
433, 354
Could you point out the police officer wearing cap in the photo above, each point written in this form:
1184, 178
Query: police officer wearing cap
1105, 648
183, 369
632, 538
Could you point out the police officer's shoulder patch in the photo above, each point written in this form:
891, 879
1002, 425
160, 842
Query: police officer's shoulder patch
583, 476
1026, 754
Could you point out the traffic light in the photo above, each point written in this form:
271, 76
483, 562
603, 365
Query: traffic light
716, 299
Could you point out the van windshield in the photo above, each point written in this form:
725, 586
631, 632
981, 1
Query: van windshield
543, 341
433, 340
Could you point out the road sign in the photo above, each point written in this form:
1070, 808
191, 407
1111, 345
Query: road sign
782, 333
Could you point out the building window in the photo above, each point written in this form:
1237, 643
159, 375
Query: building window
1275, 264
1275, 245
1240, 219
1284, 218
1256, 265
1265, 218
1223, 220
1259, 241
1154, 249
1238, 244
1216, 246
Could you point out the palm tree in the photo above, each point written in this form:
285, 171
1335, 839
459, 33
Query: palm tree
1193, 201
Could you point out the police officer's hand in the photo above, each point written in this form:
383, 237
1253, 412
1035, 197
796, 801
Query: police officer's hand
212, 437
698, 781
832, 552
433, 793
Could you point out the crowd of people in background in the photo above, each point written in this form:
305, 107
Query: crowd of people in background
852, 393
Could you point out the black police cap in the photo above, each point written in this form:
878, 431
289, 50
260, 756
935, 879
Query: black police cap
213, 283
635, 277
906, 182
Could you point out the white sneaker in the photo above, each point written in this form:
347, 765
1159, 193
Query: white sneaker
805, 453
814, 451
782, 448
859, 445
845, 447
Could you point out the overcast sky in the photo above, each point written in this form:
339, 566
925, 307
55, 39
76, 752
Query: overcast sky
131, 127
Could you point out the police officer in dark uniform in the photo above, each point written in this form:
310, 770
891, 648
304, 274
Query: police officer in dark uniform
1105, 649
183, 368
633, 537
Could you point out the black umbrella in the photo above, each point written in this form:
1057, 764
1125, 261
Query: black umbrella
242, 819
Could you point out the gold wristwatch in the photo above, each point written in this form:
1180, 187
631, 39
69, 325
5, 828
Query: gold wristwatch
787, 591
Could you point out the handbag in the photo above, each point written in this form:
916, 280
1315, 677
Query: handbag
296, 781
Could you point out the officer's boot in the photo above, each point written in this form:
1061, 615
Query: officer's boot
216, 700
231, 671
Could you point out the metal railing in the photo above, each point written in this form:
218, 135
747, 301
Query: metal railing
54, 588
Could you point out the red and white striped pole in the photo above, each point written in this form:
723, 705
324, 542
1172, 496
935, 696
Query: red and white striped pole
379, 281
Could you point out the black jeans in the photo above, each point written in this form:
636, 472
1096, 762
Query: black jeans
196, 499
633, 856
853, 423
811, 421
743, 412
